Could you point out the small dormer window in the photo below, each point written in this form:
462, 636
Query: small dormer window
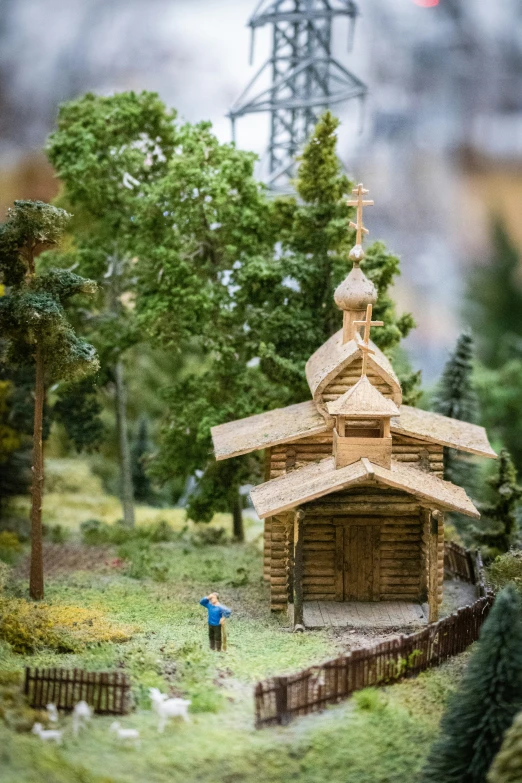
362, 425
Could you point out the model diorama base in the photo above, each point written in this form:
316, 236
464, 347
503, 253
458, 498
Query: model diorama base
380, 615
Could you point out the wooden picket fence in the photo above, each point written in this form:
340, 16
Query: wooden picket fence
460, 562
280, 699
105, 692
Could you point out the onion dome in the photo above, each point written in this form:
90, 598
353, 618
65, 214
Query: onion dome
356, 292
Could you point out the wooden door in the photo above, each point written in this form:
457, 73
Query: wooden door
361, 562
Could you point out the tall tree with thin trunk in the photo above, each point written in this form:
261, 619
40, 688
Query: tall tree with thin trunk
36, 331
108, 152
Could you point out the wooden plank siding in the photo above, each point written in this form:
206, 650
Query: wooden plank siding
401, 563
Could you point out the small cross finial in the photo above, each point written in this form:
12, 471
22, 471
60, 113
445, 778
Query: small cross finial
357, 253
363, 342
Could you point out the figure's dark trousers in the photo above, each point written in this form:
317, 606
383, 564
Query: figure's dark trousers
214, 635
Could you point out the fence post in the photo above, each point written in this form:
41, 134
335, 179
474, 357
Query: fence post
281, 699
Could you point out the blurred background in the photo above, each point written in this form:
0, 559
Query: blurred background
439, 142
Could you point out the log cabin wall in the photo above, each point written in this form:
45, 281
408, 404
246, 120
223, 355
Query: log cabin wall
418, 453
281, 552
349, 377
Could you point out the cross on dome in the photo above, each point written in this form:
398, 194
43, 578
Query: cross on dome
363, 342
357, 253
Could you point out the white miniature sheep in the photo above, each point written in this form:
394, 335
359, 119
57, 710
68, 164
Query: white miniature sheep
50, 735
52, 712
82, 713
125, 734
168, 708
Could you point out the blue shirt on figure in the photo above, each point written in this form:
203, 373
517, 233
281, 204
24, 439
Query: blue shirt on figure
215, 611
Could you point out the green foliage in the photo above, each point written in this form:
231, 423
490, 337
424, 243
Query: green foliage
505, 569
500, 391
494, 311
27, 627
10, 547
5, 573
77, 408
507, 765
249, 283
484, 705
97, 533
498, 526
143, 491
456, 398
371, 700
495, 300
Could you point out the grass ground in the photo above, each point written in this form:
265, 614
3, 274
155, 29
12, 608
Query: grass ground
376, 737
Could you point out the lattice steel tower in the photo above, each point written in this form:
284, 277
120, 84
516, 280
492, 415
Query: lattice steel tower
305, 77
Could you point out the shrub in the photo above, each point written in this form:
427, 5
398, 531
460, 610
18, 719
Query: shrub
505, 569
370, 700
10, 547
57, 534
95, 532
507, 764
210, 536
5, 573
27, 627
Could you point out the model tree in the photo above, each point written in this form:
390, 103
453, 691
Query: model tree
108, 151
498, 530
141, 448
34, 323
507, 766
486, 701
494, 311
249, 282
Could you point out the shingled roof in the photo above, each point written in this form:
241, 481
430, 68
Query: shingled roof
362, 401
322, 478
286, 425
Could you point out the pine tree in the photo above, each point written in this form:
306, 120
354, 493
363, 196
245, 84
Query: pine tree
486, 701
457, 399
249, 284
34, 324
498, 531
507, 765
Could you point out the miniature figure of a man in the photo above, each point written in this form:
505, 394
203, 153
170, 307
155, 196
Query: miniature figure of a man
216, 619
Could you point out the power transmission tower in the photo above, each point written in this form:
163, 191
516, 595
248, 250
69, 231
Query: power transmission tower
305, 78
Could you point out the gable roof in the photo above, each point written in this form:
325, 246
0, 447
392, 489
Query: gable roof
435, 428
333, 357
361, 401
283, 425
322, 478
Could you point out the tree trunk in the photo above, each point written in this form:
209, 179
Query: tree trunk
127, 492
237, 519
36, 579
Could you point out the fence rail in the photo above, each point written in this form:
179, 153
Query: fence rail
105, 692
460, 562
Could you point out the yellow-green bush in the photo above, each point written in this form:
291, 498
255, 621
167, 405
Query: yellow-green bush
10, 547
506, 569
28, 627
5, 572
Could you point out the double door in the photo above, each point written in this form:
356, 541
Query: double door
358, 561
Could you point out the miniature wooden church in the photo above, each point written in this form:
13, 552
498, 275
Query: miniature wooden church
354, 499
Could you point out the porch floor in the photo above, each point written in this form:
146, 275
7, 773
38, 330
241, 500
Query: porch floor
378, 614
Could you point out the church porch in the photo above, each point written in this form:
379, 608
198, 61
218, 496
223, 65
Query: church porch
381, 615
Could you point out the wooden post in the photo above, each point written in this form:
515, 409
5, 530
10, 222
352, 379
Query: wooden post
433, 559
298, 568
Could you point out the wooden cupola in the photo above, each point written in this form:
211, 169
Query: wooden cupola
362, 414
362, 425
356, 292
